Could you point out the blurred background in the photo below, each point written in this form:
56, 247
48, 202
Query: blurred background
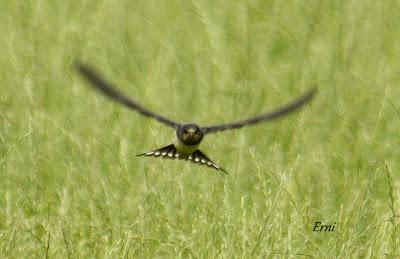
71, 185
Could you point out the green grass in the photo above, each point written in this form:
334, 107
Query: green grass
71, 185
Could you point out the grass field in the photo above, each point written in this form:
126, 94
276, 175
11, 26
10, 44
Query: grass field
71, 186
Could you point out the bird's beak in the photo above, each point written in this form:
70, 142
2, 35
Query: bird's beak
189, 135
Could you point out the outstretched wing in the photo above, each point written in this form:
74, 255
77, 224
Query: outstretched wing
109, 90
170, 152
284, 110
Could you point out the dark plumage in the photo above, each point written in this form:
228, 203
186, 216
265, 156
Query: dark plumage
189, 135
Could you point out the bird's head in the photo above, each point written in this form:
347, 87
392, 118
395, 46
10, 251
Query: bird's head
189, 134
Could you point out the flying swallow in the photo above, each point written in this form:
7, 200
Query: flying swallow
188, 135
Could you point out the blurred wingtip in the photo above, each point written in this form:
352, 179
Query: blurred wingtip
83, 68
311, 93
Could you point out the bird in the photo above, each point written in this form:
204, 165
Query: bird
188, 135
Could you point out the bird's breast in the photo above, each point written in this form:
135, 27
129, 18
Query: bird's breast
183, 148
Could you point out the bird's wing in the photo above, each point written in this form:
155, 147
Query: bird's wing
284, 110
197, 157
109, 90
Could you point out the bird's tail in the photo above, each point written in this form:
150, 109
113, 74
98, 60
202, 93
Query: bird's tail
197, 157
164, 152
